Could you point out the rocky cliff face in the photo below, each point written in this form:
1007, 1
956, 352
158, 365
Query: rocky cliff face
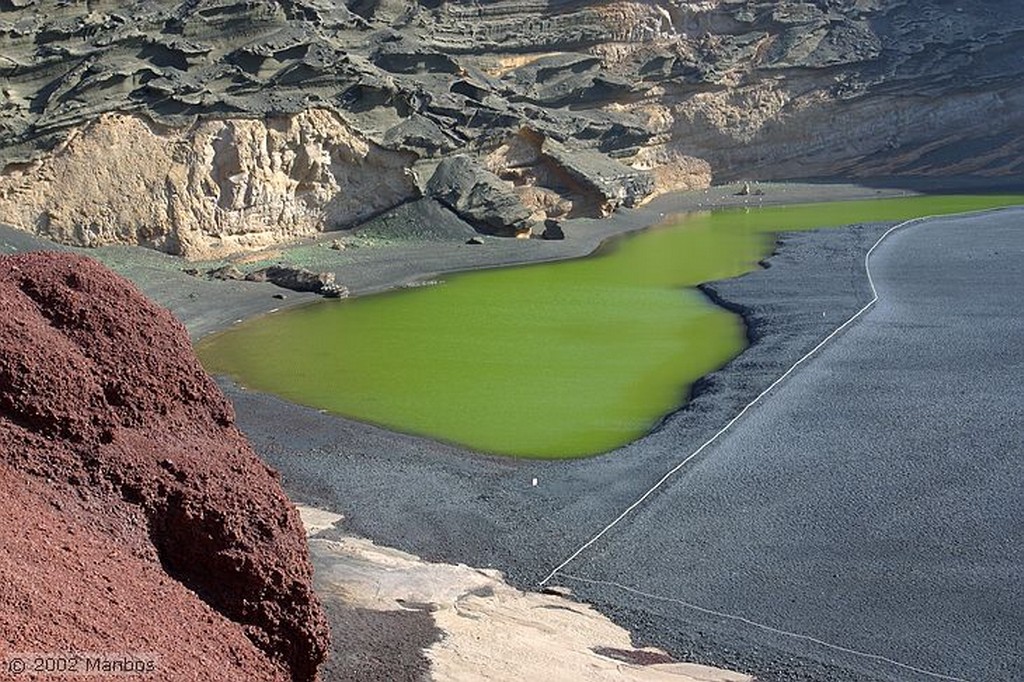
218, 186
136, 520
264, 113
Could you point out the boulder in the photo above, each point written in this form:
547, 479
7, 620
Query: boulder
479, 197
610, 183
295, 278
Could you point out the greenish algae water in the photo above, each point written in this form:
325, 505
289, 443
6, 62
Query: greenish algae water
553, 360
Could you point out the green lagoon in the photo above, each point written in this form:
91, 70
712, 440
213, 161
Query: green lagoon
553, 360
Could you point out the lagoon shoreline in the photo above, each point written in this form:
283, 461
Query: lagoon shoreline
373, 264
450, 505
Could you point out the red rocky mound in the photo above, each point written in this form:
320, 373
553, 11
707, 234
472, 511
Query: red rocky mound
136, 520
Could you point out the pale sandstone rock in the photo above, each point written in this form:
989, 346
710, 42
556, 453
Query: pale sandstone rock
672, 170
215, 188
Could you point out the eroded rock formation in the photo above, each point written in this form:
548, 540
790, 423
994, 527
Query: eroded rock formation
254, 122
219, 186
136, 520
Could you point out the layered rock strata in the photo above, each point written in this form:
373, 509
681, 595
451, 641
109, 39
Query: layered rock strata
218, 125
219, 186
137, 521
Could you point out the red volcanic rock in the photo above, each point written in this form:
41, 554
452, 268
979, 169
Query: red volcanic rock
136, 519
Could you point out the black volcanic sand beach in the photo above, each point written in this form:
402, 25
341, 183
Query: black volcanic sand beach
876, 501
873, 501
741, 530
447, 504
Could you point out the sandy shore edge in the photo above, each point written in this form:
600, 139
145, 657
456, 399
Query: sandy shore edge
488, 628
372, 264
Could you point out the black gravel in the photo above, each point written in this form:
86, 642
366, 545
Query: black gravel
447, 504
876, 501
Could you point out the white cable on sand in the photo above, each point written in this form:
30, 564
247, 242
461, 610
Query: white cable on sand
768, 628
747, 407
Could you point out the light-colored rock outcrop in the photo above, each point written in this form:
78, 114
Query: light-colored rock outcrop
214, 188
491, 630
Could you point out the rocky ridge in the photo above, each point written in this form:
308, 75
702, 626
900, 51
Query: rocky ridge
226, 125
137, 520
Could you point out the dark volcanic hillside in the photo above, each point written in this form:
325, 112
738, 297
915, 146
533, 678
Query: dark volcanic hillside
214, 125
136, 520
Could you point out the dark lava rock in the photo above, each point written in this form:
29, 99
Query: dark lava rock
479, 197
611, 183
136, 518
420, 135
296, 279
759, 90
409, 57
474, 241
227, 272
552, 230
421, 76
569, 79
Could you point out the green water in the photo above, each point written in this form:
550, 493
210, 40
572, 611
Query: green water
554, 360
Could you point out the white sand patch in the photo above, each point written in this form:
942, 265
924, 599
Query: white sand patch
492, 631
317, 520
